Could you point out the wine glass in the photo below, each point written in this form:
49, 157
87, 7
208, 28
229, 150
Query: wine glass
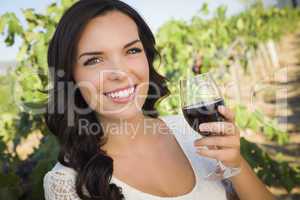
200, 98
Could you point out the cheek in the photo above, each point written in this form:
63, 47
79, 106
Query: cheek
87, 81
140, 67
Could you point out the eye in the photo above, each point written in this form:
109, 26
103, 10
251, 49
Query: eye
92, 61
134, 50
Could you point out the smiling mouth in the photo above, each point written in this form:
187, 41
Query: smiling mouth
122, 93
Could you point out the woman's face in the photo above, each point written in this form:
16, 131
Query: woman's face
112, 70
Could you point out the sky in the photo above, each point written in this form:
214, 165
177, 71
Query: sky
155, 13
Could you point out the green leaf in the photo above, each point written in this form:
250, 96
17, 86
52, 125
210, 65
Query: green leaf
40, 52
52, 9
240, 24
22, 53
10, 40
9, 193
29, 15
221, 12
204, 9
66, 3
14, 24
3, 23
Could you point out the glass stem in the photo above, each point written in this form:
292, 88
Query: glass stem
221, 165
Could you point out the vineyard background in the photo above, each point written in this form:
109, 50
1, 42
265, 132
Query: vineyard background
253, 55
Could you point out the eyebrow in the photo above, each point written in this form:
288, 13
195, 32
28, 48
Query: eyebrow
100, 52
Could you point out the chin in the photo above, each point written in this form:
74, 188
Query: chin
125, 114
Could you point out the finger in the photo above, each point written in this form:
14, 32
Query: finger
224, 155
220, 141
227, 113
209, 147
206, 147
219, 128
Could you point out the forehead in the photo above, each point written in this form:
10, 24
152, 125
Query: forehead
111, 30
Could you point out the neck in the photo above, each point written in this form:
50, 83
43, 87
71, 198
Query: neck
127, 135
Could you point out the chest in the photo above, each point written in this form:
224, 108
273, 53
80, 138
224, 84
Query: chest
165, 173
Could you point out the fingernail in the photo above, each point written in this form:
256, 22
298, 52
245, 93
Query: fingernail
222, 108
202, 127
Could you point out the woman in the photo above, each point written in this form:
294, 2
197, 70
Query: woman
113, 145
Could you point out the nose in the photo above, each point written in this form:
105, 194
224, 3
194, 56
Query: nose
116, 74
117, 69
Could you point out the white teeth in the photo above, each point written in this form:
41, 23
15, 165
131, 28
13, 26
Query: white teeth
131, 90
121, 94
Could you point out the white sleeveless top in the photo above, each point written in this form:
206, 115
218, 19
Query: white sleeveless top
59, 183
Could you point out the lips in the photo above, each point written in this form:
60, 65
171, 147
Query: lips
121, 93
119, 89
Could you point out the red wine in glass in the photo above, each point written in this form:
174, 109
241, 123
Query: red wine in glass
203, 113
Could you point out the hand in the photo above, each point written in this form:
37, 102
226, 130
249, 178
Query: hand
226, 138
